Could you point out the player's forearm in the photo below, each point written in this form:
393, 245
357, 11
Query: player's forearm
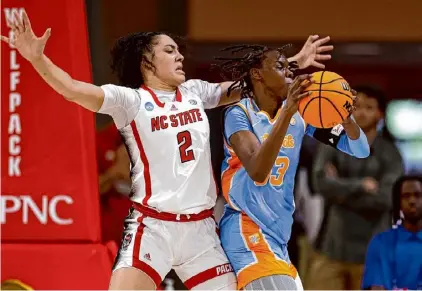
265, 157
58, 79
351, 128
87, 95
226, 96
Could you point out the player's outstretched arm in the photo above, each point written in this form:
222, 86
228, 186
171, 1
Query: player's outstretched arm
32, 47
258, 159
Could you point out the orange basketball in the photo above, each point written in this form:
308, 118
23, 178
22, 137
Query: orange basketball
330, 102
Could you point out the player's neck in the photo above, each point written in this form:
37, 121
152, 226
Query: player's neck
159, 85
267, 101
413, 227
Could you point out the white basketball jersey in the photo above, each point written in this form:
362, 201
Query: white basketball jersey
168, 145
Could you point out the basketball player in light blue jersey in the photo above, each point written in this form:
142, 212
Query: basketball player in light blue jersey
263, 135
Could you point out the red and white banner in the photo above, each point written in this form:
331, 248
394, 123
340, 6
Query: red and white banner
49, 173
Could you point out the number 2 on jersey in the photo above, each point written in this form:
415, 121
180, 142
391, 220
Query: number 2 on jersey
184, 140
281, 164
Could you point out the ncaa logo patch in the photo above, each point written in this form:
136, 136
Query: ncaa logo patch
193, 102
292, 121
126, 241
149, 106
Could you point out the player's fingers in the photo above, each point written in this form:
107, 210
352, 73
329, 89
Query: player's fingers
325, 48
305, 84
321, 41
303, 95
298, 81
318, 65
5, 39
354, 93
46, 35
26, 21
312, 38
18, 22
322, 57
13, 26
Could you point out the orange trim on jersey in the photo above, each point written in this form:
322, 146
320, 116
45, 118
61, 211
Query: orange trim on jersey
144, 159
157, 101
266, 263
234, 164
227, 176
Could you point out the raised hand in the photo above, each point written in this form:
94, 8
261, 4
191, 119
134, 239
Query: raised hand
295, 93
24, 40
311, 52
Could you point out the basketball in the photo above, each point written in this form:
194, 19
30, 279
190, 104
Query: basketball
330, 101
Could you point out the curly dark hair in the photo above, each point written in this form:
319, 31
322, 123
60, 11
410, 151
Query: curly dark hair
397, 194
237, 69
129, 52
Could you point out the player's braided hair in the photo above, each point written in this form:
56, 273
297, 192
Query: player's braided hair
237, 69
129, 52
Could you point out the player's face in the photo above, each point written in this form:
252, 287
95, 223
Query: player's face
367, 113
168, 61
411, 200
274, 73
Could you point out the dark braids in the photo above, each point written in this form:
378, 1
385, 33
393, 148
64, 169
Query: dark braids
237, 69
129, 52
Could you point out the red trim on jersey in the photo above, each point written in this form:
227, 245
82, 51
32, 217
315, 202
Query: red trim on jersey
157, 101
144, 159
149, 212
136, 262
208, 275
178, 95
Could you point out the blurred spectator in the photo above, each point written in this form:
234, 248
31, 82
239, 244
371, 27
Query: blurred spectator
357, 194
114, 182
394, 257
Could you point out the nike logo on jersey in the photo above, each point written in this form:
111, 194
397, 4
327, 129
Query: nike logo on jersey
175, 120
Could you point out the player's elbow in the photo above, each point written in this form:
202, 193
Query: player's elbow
258, 176
72, 91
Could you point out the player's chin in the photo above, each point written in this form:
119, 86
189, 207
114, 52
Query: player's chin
282, 91
179, 77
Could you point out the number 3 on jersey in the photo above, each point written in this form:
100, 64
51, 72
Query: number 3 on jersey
281, 164
184, 140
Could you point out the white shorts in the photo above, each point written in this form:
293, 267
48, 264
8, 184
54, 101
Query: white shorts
191, 248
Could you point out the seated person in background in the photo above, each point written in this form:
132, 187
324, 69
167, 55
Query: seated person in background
114, 182
394, 257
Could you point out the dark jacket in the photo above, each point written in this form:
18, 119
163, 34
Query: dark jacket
355, 215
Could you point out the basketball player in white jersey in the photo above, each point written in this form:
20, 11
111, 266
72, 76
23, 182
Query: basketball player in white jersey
162, 120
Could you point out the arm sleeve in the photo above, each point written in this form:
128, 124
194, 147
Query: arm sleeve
337, 138
210, 93
121, 103
235, 119
373, 267
337, 189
